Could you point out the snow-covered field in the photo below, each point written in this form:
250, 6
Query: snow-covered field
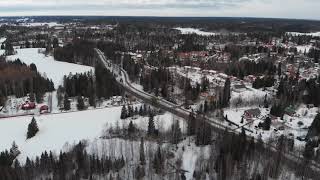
58, 129
314, 34
51, 68
195, 31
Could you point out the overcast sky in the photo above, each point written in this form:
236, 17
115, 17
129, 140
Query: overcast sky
300, 9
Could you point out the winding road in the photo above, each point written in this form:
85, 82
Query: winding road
217, 125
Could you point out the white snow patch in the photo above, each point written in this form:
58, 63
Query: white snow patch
2, 39
304, 48
36, 24
314, 34
195, 31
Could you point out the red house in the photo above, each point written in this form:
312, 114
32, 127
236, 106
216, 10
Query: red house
28, 106
44, 109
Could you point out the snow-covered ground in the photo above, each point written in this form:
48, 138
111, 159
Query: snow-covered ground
195, 31
292, 124
36, 24
2, 39
314, 34
49, 67
58, 129
14, 105
248, 96
304, 48
196, 75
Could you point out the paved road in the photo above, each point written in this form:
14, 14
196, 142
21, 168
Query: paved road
216, 124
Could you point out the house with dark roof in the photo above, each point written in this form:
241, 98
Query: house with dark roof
252, 113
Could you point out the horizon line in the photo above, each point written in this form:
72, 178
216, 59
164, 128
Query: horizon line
148, 16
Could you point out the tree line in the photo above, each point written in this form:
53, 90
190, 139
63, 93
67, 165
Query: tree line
75, 164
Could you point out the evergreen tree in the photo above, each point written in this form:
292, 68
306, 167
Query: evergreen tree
142, 155
205, 107
191, 124
131, 129
124, 112
66, 103
141, 113
14, 150
265, 102
308, 150
158, 161
314, 129
32, 128
279, 70
151, 126
203, 134
226, 93
139, 172
9, 50
176, 133
267, 124
80, 104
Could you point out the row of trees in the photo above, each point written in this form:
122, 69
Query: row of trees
245, 68
130, 111
75, 164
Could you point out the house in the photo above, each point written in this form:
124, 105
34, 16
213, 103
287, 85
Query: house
252, 113
239, 86
28, 105
44, 109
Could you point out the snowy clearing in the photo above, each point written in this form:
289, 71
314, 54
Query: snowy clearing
49, 67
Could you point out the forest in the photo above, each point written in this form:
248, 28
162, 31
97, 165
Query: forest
79, 51
16, 78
